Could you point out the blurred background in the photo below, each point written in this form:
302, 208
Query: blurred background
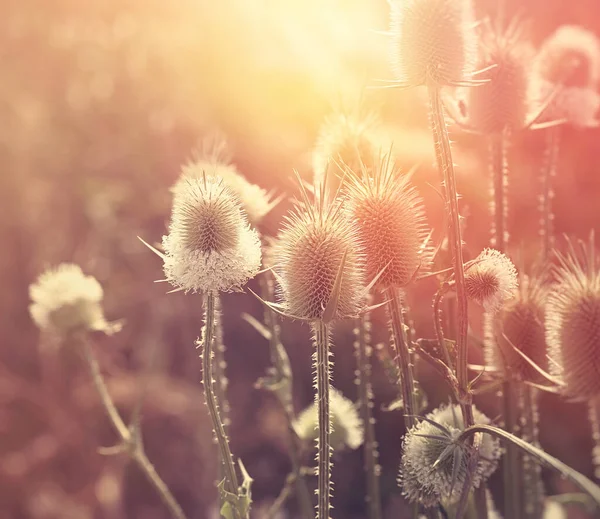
100, 104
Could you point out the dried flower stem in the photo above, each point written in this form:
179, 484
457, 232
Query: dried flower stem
365, 399
324, 450
446, 166
594, 416
534, 496
208, 337
547, 196
130, 442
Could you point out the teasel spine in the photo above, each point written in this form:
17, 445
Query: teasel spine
363, 352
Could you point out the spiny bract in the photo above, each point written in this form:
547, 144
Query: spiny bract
346, 426
308, 255
391, 224
491, 280
65, 300
432, 39
425, 444
210, 245
573, 323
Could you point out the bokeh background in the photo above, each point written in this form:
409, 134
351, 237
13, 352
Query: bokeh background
100, 104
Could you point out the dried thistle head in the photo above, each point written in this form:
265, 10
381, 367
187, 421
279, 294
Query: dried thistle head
390, 220
315, 246
432, 39
435, 464
346, 426
520, 323
491, 280
210, 245
503, 103
64, 300
573, 322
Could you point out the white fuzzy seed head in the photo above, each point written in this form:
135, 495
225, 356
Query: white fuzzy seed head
346, 426
210, 245
308, 255
421, 482
64, 300
573, 323
391, 224
491, 280
432, 39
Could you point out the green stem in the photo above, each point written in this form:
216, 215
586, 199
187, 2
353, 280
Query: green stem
365, 398
323, 377
231, 481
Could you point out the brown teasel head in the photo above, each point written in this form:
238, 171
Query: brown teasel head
573, 321
391, 224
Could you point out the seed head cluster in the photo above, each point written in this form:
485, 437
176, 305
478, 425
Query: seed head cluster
425, 444
432, 39
573, 323
210, 245
391, 224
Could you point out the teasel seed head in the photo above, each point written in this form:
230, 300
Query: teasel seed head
520, 324
317, 245
346, 426
434, 464
573, 322
491, 280
432, 39
65, 300
391, 224
210, 245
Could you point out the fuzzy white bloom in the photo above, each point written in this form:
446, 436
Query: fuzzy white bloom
346, 425
210, 245
425, 444
64, 300
491, 280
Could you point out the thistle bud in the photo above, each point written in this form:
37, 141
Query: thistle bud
432, 39
491, 280
391, 224
210, 245
573, 324
314, 247
346, 426
435, 465
64, 300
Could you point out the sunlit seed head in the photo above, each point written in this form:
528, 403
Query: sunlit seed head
520, 323
491, 280
64, 300
421, 482
432, 38
390, 220
573, 323
347, 429
210, 245
308, 255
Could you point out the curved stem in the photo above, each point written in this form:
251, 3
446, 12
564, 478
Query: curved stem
323, 376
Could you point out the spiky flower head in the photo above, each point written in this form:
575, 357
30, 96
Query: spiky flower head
520, 324
346, 426
503, 103
391, 224
317, 247
491, 279
573, 322
65, 300
435, 464
345, 141
210, 245
432, 39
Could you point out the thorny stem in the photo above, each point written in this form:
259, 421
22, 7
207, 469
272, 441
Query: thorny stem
365, 398
208, 336
534, 496
547, 196
446, 166
323, 377
594, 415
403, 360
437, 320
131, 442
